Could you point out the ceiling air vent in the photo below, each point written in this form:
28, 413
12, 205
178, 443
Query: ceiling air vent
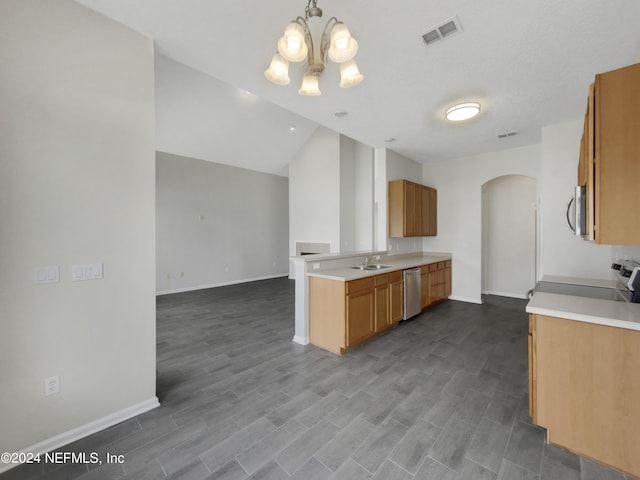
507, 134
444, 30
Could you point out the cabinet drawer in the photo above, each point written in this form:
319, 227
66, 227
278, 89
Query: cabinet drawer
381, 279
361, 284
433, 267
441, 265
447, 264
424, 269
395, 276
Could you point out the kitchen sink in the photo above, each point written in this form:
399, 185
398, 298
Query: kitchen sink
371, 267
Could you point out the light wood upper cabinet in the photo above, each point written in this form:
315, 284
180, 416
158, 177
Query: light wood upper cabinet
412, 209
610, 157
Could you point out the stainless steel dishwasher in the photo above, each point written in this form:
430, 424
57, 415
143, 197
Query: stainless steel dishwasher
411, 281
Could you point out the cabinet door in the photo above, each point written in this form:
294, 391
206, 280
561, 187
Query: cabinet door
396, 301
424, 289
532, 372
409, 209
433, 212
381, 307
426, 223
586, 387
617, 143
417, 210
584, 147
447, 279
395, 199
359, 316
433, 287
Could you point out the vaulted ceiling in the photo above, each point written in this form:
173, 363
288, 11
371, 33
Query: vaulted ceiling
528, 63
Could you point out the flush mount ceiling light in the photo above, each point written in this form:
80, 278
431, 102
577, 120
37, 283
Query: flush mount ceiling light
463, 111
296, 45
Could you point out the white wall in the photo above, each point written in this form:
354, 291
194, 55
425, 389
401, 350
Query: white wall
399, 167
314, 192
459, 183
561, 252
218, 224
76, 186
509, 235
364, 185
347, 194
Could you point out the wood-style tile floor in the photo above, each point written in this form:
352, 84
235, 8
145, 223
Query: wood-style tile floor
442, 396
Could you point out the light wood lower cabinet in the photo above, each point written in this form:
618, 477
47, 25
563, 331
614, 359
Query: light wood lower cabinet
436, 282
584, 388
342, 315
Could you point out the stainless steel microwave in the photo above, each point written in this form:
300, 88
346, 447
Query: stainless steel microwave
577, 211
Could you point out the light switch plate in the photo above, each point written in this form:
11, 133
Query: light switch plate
49, 274
86, 271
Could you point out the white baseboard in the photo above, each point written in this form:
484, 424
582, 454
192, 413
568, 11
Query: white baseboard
505, 294
466, 299
220, 284
85, 430
301, 340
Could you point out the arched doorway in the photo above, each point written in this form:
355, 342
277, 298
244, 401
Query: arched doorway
509, 236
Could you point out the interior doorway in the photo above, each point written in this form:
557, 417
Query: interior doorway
509, 236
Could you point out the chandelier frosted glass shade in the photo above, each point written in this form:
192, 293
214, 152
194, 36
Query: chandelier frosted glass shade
278, 71
310, 86
342, 47
296, 45
292, 45
350, 76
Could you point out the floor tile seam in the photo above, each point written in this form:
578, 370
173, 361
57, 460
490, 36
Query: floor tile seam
469, 459
274, 455
206, 452
185, 410
439, 463
164, 451
375, 429
138, 447
325, 465
389, 459
516, 420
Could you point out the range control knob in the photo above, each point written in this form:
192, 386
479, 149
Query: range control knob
616, 266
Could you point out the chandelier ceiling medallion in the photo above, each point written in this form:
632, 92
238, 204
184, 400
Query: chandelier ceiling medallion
296, 45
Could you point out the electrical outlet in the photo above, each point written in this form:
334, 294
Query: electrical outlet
316, 266
51, 385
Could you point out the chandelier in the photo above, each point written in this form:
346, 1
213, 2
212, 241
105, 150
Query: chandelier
296, 45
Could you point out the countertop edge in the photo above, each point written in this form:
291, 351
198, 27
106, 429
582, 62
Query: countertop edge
603, 312
402, 264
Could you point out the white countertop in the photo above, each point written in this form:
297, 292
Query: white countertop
590, 310
401, 262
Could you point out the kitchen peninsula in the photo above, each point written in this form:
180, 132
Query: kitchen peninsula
340, 304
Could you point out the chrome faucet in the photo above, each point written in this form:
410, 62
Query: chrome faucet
366, 261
